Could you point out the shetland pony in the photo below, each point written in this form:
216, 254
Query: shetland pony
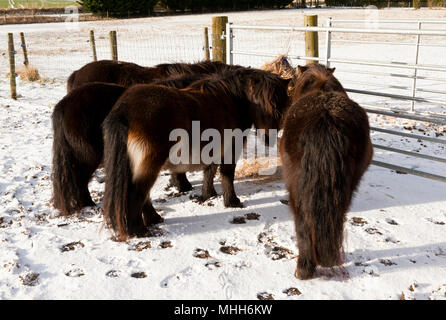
127, 74
325, 149
78, 142
137, 140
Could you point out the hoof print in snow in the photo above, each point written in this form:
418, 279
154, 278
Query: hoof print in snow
392, 240
278, 253
373, 231
72, 246
285, 202
440, 223
391, 221
292, 292
201, 254
213, 265
230, 250
139, 275
75, 273
31, 279
356, 221
166, 244
175, 194
265, 296
252, 216
140, 246
387, 262
113, 273
238, 220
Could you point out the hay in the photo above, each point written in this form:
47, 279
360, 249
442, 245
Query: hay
282, 66
261, 169
29, 73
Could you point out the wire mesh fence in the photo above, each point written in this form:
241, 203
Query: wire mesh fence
56, 55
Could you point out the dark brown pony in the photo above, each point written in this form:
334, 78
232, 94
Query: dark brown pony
137, 140
78, 144
325, 149
127, 74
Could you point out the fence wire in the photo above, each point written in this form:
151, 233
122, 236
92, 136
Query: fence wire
57, 55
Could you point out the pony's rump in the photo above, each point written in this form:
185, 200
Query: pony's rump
78, 142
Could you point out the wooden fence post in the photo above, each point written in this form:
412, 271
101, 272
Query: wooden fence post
219, 43
207, 55
12, 66
25, 51
311, 39
113, 45
93, 46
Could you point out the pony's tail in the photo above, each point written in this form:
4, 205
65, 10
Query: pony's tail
325, 187
70, 186
118, 172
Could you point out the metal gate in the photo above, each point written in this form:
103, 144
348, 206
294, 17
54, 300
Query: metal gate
429, 109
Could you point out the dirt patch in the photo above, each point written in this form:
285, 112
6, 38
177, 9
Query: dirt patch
278, 253
139, 275
140, 246
166, 244
75, 273
201, 253
113, 273
252, 216
292, 292
30, 279
238, 220
265, 296
387, 262
230, 250
72, 246
357, 221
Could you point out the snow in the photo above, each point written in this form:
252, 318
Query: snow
395, 239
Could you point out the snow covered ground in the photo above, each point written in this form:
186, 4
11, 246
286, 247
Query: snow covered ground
395, 244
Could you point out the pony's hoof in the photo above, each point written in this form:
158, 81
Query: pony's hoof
234, 203
303, 274
152, 219
184, 187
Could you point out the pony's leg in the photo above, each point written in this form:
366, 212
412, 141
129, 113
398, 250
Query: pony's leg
137, 196
85, 174
179, 181
208, 190
141, 210
149, 214
230, 199
305, 263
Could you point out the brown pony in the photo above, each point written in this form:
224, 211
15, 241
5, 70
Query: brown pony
127, 74
138, 128
78, 145
325, 149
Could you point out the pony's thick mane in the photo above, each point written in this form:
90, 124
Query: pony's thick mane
198, 67
258, 86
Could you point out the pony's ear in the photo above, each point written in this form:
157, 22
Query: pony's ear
332, 70
301, 69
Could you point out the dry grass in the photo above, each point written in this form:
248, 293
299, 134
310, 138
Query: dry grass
282, 66
29, 73
259, 169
